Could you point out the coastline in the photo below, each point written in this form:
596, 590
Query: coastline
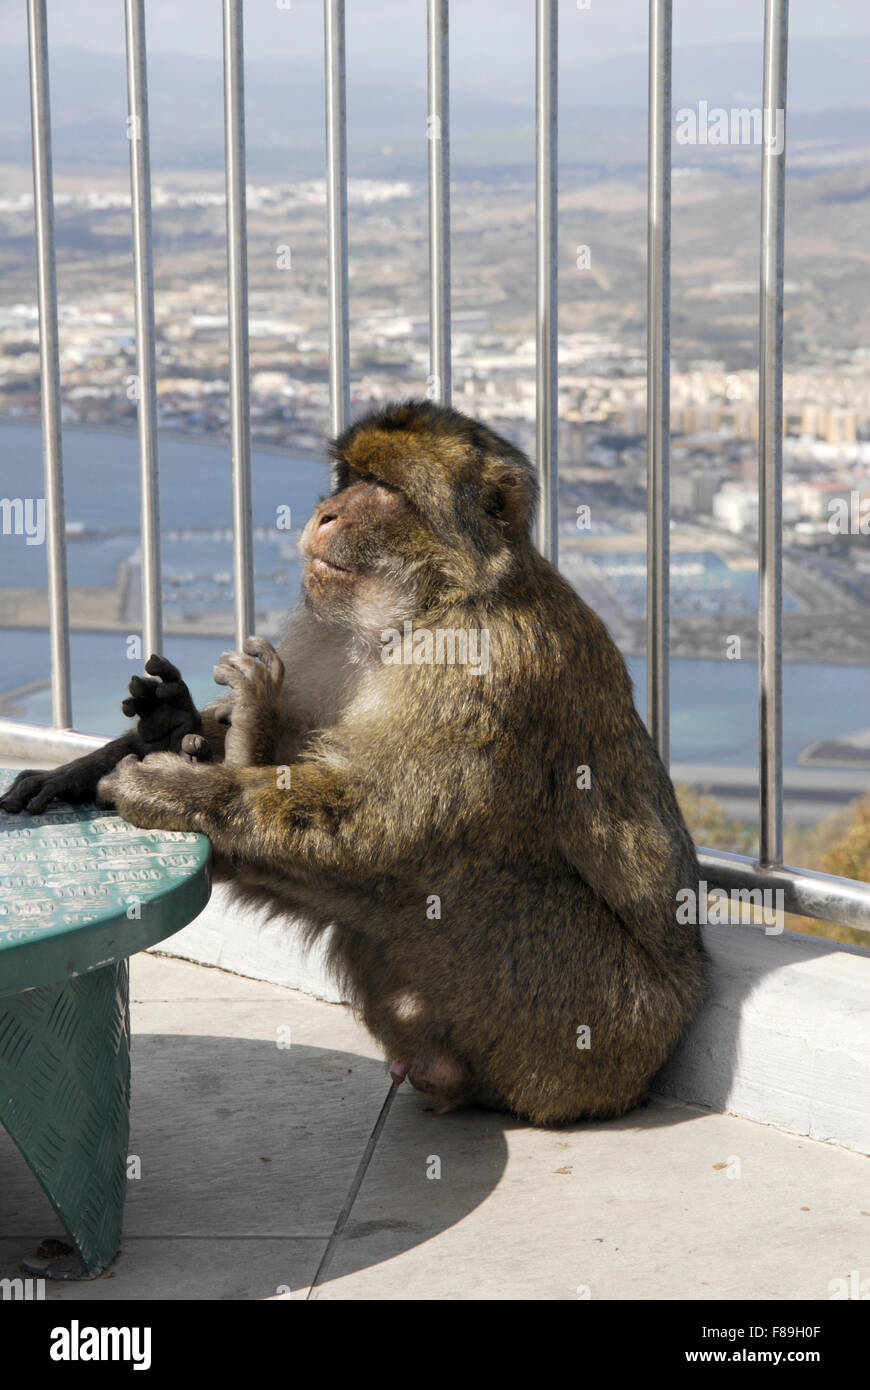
297, 453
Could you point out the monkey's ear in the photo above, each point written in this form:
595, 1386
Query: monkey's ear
509, 499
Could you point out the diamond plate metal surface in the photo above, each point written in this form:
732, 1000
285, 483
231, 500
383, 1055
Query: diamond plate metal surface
65, 1096
80, 887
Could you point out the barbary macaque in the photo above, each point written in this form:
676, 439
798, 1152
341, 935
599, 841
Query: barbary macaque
495, 844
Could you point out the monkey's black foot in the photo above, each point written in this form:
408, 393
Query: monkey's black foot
163, 705
34, 790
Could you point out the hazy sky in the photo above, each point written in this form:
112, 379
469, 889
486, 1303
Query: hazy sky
495, 29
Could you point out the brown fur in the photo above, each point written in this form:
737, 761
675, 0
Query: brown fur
557, 904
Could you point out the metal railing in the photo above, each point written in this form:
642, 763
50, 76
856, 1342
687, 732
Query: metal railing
237, 295
816, 895
49, 365
658, 388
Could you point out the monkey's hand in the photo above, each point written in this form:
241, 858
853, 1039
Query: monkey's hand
166, 712
256, 676
160, 792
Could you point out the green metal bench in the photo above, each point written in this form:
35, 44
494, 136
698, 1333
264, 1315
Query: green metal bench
80, 892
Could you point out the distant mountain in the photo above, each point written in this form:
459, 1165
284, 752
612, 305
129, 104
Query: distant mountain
823, 73
284, 112
602, 106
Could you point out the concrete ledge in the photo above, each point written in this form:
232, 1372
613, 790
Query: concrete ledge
784, 1037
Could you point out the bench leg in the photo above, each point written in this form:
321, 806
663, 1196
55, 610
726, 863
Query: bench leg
65, 1100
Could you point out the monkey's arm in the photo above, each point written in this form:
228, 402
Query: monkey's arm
310, 825
256, 676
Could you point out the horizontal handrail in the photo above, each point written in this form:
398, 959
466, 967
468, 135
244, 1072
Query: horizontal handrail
34, 741
805, 892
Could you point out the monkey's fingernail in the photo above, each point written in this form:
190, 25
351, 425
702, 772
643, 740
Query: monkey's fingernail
398, 1072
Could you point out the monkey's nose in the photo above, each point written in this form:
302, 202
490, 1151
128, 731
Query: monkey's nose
326, 519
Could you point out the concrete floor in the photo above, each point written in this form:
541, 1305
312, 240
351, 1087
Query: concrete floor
250, 1150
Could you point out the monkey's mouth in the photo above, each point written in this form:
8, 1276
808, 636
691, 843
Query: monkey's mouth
327, 567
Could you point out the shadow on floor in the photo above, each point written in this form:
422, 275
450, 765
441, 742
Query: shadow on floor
242, 1156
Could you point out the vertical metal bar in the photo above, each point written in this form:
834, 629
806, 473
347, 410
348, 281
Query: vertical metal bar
49, 365
438, 132
146, 412
659, 378
770, 431
546, 49
336, 215
237, 297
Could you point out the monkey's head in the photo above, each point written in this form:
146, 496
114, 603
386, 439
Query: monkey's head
429, 507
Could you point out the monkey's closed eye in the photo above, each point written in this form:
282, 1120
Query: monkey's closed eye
372, 478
